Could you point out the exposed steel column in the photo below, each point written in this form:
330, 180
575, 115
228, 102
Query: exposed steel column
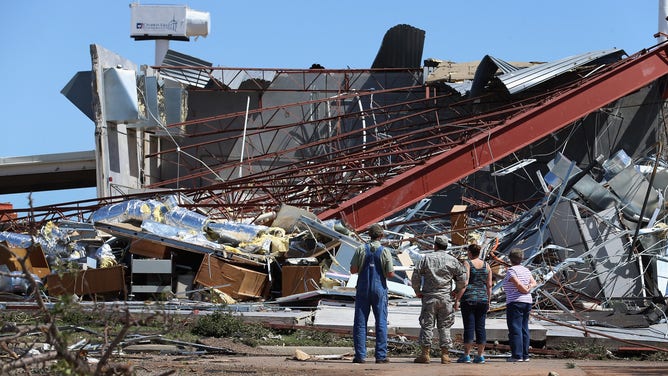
515, 133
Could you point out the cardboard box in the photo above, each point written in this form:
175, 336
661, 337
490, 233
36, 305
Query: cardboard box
150, 249
300, 278
459, 222
88, 282
36, 262
238, 282
405, 260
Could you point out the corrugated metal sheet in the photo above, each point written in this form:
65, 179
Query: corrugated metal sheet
485, 71
503, 65
401, 48
192, 77
461, 87
517, 81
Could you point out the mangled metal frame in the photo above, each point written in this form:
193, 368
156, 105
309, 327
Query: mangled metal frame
580, 243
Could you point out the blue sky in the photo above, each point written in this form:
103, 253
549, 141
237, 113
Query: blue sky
46, 42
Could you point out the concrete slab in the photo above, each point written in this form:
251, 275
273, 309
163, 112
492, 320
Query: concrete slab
403, 320
654, 335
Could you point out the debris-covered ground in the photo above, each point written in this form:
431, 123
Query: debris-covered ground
600, 275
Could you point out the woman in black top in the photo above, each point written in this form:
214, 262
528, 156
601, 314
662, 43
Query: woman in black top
475, 300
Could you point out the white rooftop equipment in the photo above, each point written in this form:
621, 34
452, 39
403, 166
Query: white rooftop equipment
163, 23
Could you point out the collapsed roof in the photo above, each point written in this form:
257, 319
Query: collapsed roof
363, 146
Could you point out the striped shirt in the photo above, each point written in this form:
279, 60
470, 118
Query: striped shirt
512, 294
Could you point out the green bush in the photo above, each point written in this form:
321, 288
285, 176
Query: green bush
583, 351
222, 324
306, 337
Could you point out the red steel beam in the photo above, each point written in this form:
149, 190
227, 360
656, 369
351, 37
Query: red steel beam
485, 148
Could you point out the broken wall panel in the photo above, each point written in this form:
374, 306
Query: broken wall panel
113, 140
619, 275
566, 231
280, 119
600, 238
401, 48
607, 254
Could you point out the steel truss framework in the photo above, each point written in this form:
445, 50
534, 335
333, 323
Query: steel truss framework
394, 153
374, 152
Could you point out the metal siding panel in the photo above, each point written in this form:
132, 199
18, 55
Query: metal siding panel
532, 76
402, 47
192, 77
120, 93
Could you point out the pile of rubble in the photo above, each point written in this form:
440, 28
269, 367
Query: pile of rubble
140, 249
595, 242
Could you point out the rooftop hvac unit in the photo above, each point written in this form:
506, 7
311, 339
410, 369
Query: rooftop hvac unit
172, 22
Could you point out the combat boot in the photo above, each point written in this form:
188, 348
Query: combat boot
424, 356
445, 357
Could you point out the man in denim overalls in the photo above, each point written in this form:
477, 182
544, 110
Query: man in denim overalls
374, 264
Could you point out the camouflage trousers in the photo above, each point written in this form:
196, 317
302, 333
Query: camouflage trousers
438, 311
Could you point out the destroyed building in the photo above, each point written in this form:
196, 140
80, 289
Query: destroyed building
257, 184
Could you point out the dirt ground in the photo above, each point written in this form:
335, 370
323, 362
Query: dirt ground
279, 365
281, 361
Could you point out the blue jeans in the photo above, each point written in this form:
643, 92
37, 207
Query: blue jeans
473, 315
517, 318
377, 301
371, 294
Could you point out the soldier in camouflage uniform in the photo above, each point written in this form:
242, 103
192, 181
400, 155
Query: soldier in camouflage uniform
432, 281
